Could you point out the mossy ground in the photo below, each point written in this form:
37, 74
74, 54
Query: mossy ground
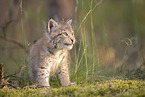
119, 88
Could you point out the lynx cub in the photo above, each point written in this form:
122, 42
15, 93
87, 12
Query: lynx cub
49, 54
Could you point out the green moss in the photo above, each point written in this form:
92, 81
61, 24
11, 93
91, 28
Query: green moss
119, 88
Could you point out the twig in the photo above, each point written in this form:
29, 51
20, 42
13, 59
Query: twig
6, 25
15, 42
19, 72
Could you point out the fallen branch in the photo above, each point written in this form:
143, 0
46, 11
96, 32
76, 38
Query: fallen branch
1, 74
5, 83
19, 72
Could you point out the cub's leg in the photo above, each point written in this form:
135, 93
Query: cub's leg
63, 75
43, 77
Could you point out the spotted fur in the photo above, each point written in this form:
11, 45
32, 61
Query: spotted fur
48, 55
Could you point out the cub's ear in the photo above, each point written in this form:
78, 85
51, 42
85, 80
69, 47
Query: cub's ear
51, 24
69, 21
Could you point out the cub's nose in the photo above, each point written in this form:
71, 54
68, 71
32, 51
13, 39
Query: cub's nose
73, 40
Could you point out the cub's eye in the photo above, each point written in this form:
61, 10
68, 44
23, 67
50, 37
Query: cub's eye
65, 33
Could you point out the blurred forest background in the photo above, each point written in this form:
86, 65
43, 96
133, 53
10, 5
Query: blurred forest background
110, 37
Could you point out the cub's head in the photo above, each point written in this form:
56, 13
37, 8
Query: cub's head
61, 34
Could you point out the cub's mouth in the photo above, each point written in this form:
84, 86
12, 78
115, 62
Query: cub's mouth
67, 44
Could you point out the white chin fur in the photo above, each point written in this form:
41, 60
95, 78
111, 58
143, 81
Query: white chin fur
69, 47
65, 46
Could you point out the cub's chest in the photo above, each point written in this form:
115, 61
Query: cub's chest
55, 60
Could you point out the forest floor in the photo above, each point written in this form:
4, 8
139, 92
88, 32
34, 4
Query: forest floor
117, 88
